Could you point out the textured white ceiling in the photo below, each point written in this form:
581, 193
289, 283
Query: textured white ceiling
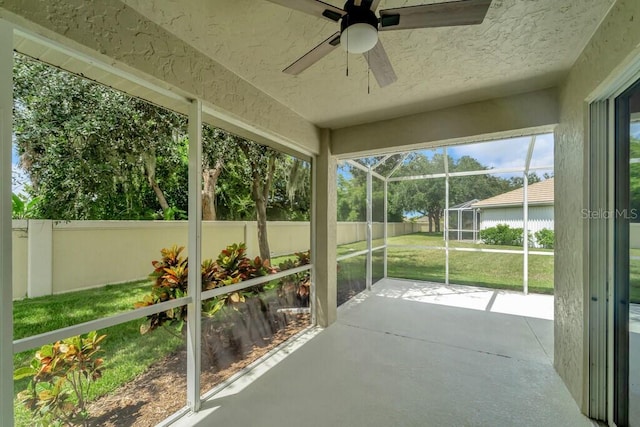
522, 45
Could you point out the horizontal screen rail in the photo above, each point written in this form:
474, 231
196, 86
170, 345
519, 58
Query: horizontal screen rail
359, 253
352, 255
499, 251
469, 173
453, 248
253, 282
39, 340
442, 248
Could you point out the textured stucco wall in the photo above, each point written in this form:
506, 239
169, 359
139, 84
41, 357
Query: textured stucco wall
118, 35
470, 121
325, 255
611, 45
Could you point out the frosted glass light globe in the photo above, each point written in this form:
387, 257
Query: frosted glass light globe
359, 38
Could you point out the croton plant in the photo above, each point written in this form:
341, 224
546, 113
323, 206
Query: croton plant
171, 274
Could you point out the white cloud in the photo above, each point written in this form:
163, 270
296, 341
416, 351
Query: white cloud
508, 153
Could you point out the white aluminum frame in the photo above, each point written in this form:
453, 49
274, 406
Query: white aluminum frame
194, 240
446, 216
312, 239
369, 268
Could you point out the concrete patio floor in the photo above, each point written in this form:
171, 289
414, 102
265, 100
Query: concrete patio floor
410, 354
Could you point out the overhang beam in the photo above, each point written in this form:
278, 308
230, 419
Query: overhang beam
525, 114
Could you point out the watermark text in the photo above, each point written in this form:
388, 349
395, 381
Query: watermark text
629, 214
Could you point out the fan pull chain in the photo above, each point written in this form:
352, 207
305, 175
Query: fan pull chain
368, 75
347, 60
347, 51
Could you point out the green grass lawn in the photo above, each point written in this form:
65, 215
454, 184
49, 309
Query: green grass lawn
494, 270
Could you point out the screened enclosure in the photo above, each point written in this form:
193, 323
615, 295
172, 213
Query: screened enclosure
477, 214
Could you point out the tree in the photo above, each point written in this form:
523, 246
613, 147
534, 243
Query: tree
425, 196
218, 147
352, 194
95, 153
92, 152
262, 163
466, 188
518, 181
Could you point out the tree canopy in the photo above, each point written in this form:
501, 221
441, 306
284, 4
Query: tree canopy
425, 197
92, 152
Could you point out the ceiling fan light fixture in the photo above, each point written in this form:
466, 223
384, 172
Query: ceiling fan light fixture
359, 38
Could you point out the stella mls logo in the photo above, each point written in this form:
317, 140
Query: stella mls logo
630, 214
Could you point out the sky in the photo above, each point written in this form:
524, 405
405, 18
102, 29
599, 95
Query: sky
501, 154
508, 153
19, 177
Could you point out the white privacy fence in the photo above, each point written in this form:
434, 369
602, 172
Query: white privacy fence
55, 257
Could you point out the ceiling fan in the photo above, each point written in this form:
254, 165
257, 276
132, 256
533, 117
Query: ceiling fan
359, 27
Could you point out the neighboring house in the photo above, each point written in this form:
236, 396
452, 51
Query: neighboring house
507, 209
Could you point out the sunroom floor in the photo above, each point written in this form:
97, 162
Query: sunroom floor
410, 354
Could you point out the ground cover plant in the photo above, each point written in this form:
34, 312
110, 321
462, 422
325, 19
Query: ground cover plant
60, 377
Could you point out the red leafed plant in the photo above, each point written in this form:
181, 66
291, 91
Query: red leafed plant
171, 282
61, 376
299, 284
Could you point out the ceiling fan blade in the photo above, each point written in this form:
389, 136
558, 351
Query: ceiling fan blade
374, 4
380, 65
313, 7
464, 12
314, 55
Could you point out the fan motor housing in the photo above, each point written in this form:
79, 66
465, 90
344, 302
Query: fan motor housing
358, 15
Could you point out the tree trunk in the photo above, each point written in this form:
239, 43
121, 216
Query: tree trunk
430, 223
263, 240
149, 160
260, 192
436, 219
260, 188
210, 178
159, 194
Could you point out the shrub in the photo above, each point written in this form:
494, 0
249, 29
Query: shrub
171, 275
233, 266
545, 238
234, 322
502, 234
61, 376
298, 285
